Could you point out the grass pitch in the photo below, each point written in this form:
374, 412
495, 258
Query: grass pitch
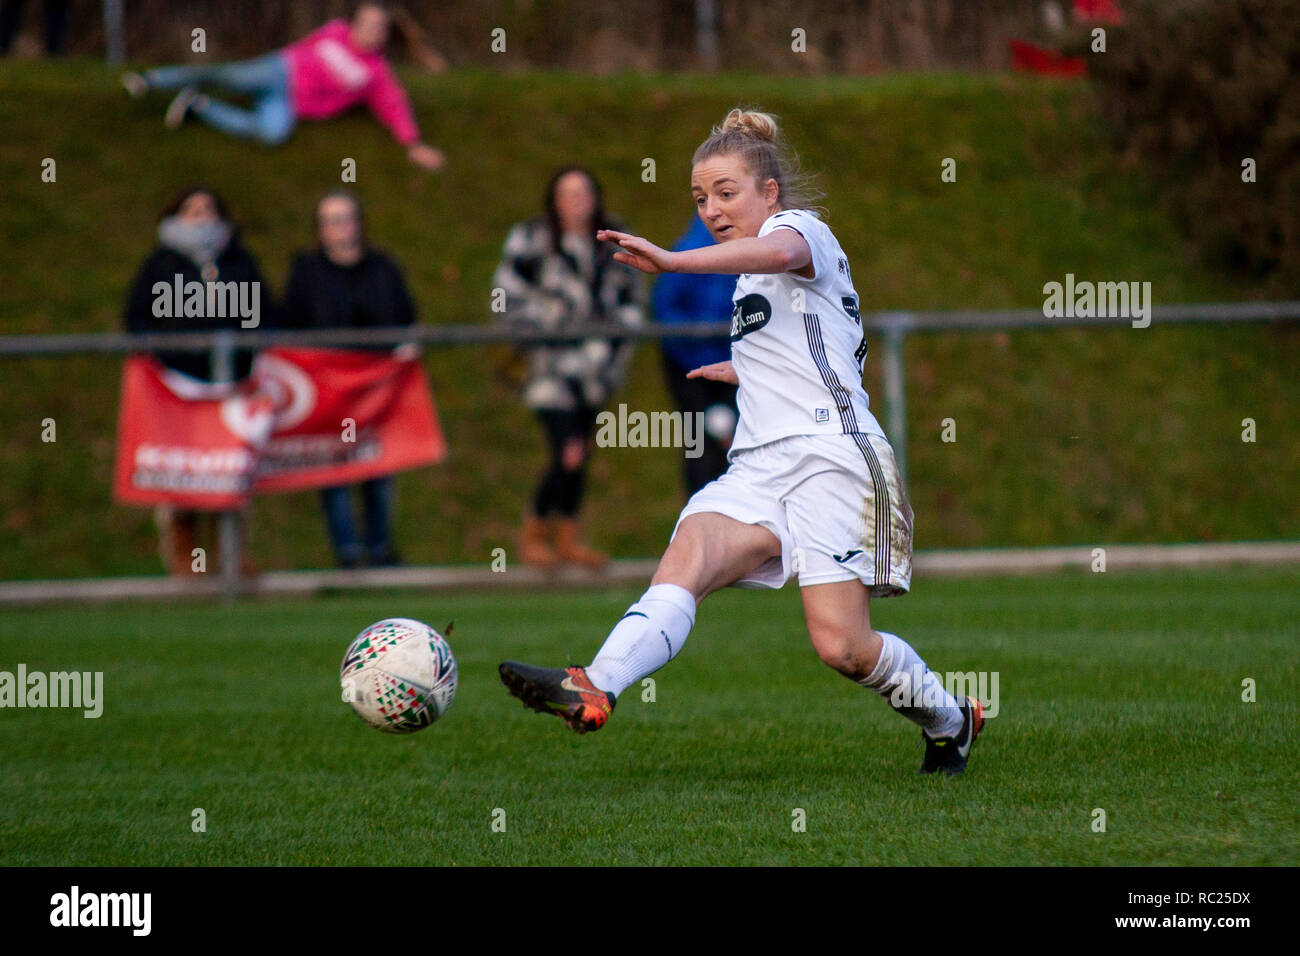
1120, 692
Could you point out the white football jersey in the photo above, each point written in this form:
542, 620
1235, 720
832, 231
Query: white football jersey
797, 345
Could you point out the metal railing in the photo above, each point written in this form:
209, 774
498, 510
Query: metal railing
893, 328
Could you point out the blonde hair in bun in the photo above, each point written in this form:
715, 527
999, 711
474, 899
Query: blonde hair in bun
756, 138
752, 123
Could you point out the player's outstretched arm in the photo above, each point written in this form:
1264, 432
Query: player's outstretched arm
782, 250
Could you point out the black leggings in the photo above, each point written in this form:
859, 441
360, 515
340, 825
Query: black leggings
560, 491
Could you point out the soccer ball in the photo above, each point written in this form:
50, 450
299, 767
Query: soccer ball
399, 675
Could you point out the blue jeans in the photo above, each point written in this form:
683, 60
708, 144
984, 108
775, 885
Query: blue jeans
265, 79
377, 494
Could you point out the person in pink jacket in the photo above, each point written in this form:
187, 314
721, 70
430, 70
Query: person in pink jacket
337, 67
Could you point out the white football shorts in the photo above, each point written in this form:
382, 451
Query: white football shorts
836, 503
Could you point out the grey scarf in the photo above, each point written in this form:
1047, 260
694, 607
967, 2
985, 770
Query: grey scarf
201, 243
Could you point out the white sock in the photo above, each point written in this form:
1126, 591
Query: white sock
912, 689
649, 635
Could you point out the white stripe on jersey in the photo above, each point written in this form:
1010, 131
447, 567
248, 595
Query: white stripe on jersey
797, 345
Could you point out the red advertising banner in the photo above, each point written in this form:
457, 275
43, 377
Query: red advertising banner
307, 418
183, 442
343, 417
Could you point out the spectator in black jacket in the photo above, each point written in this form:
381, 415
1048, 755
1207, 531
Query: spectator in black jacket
345, 283
197, 242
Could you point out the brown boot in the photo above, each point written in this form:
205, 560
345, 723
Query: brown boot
535, 543
571, 548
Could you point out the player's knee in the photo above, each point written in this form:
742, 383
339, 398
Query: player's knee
844, 646
836, 647
686, 563
679, 565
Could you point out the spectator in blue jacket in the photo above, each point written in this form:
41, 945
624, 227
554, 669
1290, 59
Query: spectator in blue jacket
682, 297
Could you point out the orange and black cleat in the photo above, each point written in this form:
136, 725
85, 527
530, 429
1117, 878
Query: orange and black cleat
564, 691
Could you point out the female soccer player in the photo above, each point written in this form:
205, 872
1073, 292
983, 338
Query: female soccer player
812, 487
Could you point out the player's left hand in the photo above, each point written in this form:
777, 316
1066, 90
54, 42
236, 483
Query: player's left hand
717, 372
637, 252
426, 157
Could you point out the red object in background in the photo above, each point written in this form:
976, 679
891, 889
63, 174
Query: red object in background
318, 392
308, 418
1097, 11
179, 443
1028, 58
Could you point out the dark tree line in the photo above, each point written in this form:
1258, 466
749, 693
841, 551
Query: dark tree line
843, 36
1205, 96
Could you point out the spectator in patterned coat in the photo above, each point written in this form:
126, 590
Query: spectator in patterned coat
555, 277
